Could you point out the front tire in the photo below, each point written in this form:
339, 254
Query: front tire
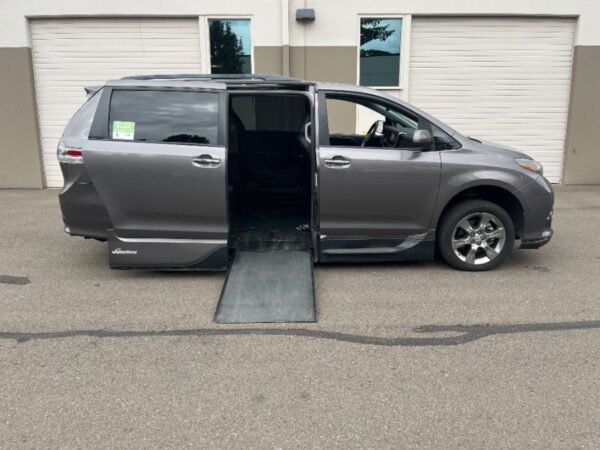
475, 235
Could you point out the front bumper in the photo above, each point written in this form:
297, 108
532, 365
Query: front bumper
539, 210
537, 243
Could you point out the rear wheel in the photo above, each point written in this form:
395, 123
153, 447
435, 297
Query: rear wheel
476, 235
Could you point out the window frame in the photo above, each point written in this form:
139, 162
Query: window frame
100, 129
404, 51
203, 25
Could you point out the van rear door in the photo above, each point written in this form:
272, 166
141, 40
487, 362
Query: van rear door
157, 158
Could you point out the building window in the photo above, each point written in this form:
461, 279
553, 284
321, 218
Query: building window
230, 46
380, 43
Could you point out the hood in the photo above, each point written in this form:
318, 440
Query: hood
499, 149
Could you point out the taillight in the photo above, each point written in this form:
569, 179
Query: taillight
69, 155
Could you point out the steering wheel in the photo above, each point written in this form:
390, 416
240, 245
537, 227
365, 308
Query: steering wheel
370, 133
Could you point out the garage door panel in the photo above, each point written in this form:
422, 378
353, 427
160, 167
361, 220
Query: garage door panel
503, 79
69, 54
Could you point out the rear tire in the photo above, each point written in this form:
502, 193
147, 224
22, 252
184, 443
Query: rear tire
475, 235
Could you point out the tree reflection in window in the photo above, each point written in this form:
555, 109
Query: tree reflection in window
187, 138
230, 46
380, 52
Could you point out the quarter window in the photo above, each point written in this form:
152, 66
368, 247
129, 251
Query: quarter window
230, 46
442, 140
380, 44
164, 116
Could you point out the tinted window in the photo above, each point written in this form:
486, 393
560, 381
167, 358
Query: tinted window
380, 52
442, 140
230, 46
271, 112
164, 116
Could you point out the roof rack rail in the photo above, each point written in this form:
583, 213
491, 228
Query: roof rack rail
213, 76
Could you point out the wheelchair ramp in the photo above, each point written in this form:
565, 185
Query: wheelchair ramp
268, 286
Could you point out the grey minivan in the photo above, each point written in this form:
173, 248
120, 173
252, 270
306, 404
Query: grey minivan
180, 172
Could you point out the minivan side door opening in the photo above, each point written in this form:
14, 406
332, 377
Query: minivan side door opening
270, 170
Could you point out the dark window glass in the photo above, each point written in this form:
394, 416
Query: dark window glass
230, 46
271, 112
380, 52
164, 116
442, 140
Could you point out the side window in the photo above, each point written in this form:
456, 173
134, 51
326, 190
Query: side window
347, 117
350, 117
442, 140
164, 116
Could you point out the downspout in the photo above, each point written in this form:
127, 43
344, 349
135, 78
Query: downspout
285, 37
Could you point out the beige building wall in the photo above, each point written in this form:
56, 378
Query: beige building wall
268, 59
20, 156
324, 50
582, 149
334, 64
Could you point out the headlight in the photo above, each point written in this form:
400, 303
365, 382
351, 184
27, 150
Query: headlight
531, 165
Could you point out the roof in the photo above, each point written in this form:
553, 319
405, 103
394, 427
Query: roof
198, 79
225, 77
215, 81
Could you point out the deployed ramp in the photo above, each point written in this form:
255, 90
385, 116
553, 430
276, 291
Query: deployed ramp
268, 286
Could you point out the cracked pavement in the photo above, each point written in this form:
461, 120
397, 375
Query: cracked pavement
403, 355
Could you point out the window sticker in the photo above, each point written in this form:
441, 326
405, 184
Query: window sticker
123, 130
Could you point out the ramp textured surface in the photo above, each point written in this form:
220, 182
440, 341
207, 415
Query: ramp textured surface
268, 286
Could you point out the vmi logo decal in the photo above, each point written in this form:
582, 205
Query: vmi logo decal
119, 251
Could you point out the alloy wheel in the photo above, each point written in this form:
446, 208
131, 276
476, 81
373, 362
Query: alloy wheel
478, 238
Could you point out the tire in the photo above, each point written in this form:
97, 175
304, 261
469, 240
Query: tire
467, 245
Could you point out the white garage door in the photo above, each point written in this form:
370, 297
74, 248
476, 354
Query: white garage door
72, 53
502, 79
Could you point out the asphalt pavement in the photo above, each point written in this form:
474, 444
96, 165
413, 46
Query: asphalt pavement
402, 356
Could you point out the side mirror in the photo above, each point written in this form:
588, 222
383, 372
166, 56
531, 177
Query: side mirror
379, 128
422, 138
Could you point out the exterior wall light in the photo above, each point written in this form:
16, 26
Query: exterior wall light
305, 15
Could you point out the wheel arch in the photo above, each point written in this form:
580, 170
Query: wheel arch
492, 193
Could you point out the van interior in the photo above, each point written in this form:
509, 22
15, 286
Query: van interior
269, 171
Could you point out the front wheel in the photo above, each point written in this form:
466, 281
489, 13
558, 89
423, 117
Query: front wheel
476, 235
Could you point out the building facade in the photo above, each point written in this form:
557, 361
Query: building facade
522, 73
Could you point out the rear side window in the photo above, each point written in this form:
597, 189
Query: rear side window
164, 116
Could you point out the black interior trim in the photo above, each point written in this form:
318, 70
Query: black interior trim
99, 128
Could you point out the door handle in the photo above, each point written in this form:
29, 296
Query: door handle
337, 162
206, 161
307, 132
